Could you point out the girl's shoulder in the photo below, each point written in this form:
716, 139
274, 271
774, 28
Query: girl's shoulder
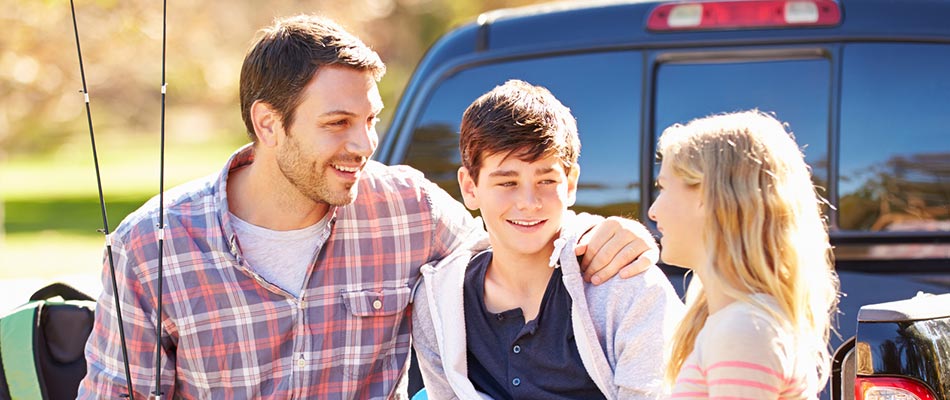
745, 331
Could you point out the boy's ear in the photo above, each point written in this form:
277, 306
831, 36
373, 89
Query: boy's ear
267, 123
572, 184
467, 184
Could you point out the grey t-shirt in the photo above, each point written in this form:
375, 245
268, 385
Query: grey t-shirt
281, 257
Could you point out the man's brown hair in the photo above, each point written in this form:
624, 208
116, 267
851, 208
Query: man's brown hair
522, 120
288, 54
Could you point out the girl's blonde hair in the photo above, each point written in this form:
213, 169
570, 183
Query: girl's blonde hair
764, 232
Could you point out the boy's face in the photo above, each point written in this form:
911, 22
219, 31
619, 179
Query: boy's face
521, 202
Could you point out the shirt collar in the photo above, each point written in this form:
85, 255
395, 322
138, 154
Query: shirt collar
242, 157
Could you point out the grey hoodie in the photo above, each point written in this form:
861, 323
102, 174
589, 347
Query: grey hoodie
621, 327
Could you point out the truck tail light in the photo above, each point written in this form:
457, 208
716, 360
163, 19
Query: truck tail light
743, 14
872, 388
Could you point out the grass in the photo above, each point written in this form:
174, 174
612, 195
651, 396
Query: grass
51, 206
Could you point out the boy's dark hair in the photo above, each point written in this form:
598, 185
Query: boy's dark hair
521, 119
288, 54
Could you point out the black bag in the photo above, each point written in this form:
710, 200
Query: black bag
42, 343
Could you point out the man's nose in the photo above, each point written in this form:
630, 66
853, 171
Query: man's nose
363, 141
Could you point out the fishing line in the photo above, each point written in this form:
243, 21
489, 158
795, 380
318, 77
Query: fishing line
161, 219
102, 206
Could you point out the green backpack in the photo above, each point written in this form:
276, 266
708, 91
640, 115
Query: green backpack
42, 344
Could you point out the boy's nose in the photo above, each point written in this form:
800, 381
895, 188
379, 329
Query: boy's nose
529, 199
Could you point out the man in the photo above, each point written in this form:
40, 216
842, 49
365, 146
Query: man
289, 274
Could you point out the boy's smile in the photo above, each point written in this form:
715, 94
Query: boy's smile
521, 202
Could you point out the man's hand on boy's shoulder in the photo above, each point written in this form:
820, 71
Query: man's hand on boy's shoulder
616, 245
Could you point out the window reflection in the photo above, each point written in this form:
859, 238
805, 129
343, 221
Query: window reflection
796, 91
601, 89
895, 155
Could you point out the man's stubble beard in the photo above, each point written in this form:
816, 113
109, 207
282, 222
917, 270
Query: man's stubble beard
309, 178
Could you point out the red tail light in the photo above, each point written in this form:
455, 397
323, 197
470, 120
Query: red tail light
743, 14
866, 388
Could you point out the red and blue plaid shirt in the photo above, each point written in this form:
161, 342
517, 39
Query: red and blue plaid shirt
229, 334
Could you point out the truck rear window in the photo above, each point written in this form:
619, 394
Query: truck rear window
895, 138
601, 89
797, 91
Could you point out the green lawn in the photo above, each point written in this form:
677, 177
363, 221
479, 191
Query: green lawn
51, 207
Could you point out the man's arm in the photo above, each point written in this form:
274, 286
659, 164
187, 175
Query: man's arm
106, 375
616, 245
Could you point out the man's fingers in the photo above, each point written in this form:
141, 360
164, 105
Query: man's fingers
626, 251
598, 257
594, 241
580, 249
645, 261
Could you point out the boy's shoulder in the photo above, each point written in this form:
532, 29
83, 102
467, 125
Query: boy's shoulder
629, 289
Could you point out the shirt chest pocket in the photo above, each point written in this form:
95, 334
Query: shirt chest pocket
379, 331
376, 302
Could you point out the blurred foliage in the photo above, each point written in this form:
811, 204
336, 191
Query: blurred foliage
122, 49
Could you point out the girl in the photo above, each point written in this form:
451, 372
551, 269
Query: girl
737, 206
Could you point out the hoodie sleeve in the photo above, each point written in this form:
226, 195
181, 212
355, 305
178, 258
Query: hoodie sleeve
426, 344
643, 326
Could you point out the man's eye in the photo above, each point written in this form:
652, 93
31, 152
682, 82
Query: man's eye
342, 122
506, 184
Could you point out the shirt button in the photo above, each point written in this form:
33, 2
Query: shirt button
516, 381
516, 349
377, 304
301, 363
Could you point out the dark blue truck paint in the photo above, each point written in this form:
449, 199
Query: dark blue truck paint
895, 268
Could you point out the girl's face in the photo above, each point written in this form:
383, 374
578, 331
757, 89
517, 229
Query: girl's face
680, 218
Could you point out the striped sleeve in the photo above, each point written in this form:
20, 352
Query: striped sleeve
743, 358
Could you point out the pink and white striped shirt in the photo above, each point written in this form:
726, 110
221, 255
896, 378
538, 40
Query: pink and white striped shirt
743, 353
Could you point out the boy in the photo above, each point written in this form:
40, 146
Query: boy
516, 320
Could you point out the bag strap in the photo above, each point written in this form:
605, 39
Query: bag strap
17, 351
62, 290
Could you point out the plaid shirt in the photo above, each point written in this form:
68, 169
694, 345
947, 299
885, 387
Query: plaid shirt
229, 334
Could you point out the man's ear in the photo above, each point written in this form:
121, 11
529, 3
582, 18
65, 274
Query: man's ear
572, 184
467, 184
267, 123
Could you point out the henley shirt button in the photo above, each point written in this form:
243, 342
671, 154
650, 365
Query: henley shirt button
377, 304
516, 381
516, 349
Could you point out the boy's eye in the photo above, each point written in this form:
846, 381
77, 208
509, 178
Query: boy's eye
548, 182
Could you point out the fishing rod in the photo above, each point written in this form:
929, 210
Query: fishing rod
102, 206
161, 219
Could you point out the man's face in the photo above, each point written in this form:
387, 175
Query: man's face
333, 135
521, 202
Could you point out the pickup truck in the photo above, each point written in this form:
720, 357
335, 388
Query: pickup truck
862, 85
